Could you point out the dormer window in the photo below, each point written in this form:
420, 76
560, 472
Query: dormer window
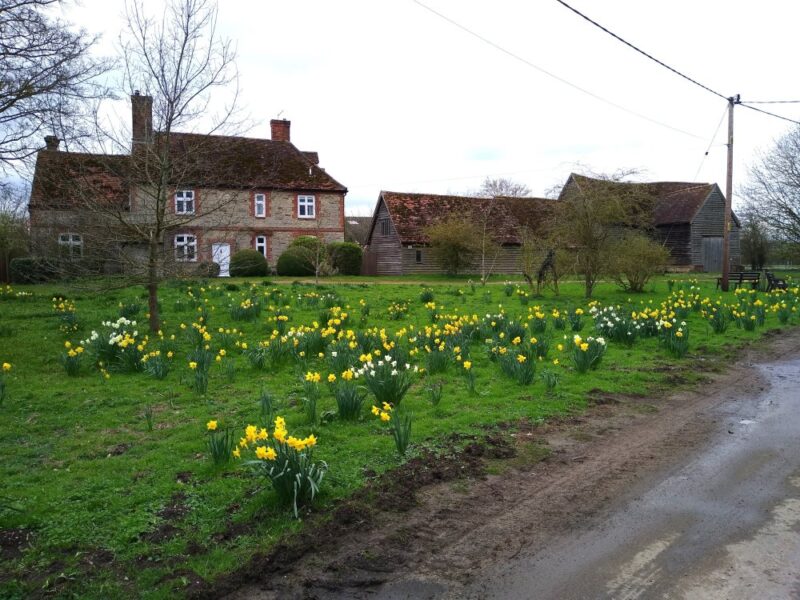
260, 205
184, 202
306, 207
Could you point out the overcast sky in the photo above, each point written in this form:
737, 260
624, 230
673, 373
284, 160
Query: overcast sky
394, 97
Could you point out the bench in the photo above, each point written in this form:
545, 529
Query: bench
774, 283
739, 278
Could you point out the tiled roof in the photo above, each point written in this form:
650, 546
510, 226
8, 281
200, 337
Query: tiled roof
225, 161
62, 179
412, 213
675, 202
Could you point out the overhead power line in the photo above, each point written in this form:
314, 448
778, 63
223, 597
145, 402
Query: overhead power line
773, 101
528, 63
771, 114
640, 51
679, 74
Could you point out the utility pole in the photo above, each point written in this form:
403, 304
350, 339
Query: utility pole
726, 227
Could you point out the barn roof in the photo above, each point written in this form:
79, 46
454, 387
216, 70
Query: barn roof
412, 213
675, 203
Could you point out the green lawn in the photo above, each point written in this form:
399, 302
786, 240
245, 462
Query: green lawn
108, 489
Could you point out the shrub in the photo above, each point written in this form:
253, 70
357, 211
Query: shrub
634, 259
294, 262
206, 268
345, 257
248, 263
453, 242
33, 269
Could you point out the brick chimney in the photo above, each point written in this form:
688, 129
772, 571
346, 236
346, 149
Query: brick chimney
52, 142
280, 130
141, 119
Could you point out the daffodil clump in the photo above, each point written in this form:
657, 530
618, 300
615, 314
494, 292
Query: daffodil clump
221, 442
157, 363
559, 319
311, 395
67, 317
386, 378
717, 315
399, 423
248, 309
286, 461
575, 318
587, 353
117, 345
348, 395
675, 337
397, 311
71, 358
5, 369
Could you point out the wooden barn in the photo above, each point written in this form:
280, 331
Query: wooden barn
687, 217
397, 244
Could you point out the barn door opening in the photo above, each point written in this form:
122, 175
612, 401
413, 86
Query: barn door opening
712, 254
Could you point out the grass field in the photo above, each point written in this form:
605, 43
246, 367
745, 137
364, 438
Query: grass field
108, 487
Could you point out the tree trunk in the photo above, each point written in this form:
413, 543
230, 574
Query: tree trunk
152, 285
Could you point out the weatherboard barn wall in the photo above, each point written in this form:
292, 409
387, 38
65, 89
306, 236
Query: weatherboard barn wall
708, 222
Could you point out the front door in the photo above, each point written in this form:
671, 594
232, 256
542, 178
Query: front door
221, 254
712, 254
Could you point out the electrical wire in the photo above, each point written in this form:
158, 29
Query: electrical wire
773, 101
553, 75
771, 114
710, 144
686, 77
640, 51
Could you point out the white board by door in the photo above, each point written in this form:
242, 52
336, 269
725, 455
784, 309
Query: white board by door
221, 254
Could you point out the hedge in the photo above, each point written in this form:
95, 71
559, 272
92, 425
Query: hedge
346, 257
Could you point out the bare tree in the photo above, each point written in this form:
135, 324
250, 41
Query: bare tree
592, 215
14, 237
502, 186
488, 249
773, 189
47, 78
185, 67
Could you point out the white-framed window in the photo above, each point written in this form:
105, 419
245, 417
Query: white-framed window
260, 205
306, 207
185, 247
184, 202
71, 245
261, 244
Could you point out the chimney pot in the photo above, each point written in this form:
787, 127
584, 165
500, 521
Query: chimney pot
52, 142
280, 130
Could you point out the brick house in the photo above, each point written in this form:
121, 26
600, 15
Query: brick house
224, 194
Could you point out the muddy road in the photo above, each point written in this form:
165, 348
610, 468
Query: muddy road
692, 495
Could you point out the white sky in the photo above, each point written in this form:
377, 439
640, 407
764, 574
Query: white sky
393, 97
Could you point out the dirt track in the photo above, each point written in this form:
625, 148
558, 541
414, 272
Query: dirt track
489, 535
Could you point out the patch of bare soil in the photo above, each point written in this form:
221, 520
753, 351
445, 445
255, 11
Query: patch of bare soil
13, 542
442, 519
